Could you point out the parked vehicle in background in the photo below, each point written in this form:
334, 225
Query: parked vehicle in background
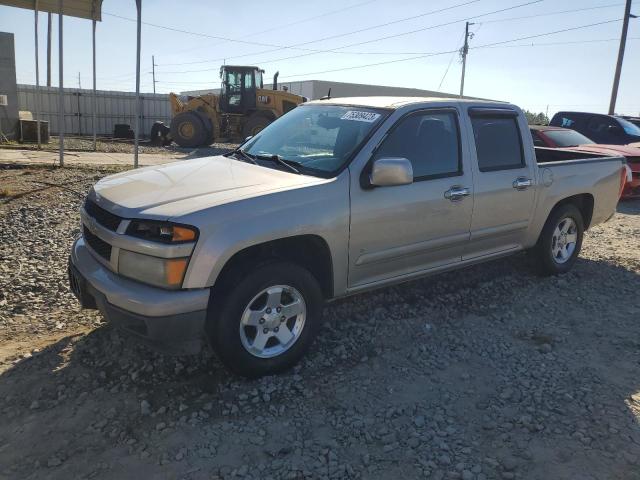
558, 137
634, 120
336, 197
603, 129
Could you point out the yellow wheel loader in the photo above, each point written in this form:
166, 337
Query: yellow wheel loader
243, 108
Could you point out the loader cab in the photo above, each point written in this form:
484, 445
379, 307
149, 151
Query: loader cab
239, 85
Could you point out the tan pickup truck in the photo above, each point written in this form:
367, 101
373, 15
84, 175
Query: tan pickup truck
334, 198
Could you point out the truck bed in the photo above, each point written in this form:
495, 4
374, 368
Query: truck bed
554, 155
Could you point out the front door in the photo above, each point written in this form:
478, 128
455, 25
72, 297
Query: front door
401, 230
239, 91
504, 182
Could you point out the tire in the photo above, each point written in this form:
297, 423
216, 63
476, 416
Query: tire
188, 130
249, 337
254, 125
555, 253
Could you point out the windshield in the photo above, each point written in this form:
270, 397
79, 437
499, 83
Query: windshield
320, 138
629, 127
567, 138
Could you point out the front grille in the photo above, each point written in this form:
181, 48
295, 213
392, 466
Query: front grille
103, 217
98, 245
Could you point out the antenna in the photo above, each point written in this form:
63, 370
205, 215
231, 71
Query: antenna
327, 96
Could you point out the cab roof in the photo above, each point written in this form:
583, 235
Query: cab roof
395, 102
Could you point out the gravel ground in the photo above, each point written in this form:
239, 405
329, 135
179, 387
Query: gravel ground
112, 145
492, 373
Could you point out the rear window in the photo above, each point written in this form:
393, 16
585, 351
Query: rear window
567, 138
498, 143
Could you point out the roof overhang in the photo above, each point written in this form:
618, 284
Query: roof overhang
89, 9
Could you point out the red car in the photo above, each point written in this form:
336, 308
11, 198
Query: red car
565, 138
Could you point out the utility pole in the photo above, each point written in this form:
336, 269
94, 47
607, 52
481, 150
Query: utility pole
623, 43
49, 49
79, 84
464, 52
153, 71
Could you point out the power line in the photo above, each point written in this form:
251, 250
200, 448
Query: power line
451, 51
331, 37
527, 17
296, 22
335, 50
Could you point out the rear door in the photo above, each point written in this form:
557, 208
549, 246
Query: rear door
400, 230
503, 162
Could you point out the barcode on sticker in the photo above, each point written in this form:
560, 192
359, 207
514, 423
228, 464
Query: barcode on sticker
359, 116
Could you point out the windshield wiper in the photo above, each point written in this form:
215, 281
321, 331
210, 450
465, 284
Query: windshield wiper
278, 159
244, 155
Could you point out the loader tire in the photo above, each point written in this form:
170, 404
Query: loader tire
188, 130
254, 125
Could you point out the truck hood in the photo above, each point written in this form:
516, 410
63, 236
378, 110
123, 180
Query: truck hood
616, 150
178, 188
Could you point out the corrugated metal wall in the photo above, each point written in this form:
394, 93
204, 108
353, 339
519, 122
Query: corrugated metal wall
112, 107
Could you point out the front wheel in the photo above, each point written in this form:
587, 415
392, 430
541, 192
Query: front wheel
267, 322
560, 241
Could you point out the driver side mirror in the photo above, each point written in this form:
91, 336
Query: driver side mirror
392, 171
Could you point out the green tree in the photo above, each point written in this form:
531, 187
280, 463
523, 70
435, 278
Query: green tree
536, 118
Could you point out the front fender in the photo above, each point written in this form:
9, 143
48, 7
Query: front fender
321, 210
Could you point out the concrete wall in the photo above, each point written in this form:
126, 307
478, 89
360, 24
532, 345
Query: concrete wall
112, 107
8, 113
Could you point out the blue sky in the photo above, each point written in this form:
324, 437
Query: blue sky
561, 70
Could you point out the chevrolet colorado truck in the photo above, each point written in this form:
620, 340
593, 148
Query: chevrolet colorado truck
336, 197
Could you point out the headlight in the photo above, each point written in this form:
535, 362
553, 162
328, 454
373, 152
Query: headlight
160, 272
164, 232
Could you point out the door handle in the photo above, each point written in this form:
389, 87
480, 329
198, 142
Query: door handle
521, 183
456, 193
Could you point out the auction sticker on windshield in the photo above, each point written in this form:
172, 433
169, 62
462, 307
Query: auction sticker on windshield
360, 116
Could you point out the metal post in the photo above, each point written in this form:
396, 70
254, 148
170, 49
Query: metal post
49, 49
93, 99
465, 51
37, 78
60, 85
153, 71
137, 109
79, 113
623, 42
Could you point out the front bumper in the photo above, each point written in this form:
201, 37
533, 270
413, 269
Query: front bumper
172, 321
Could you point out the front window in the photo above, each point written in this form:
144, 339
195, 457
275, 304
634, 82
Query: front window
567, 138
320, 138
629, 127
258, 76
429, 140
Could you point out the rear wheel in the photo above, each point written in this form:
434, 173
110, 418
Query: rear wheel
267, 321
188, 129
560, 241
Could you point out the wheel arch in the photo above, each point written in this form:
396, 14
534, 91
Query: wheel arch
307, 250
583, 201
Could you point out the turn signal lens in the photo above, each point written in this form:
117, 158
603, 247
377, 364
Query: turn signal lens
182, 234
